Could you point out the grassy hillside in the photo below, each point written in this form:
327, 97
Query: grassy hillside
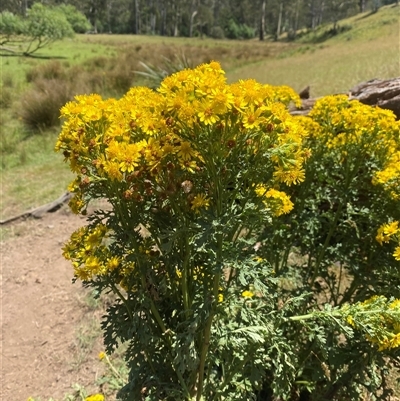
32, 174
369, 49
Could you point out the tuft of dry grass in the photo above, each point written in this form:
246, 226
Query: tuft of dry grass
40, 106
50, 70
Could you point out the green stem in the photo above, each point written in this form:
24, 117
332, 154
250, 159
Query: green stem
207, 329
185, 293
123, 299
326, 242
206, 340
168, 340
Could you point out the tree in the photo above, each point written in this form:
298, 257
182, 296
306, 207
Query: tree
10, 27
77, 20
41, 26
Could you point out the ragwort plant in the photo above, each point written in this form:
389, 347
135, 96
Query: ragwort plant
332, 244
195, 174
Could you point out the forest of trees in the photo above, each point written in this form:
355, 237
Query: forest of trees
214, 18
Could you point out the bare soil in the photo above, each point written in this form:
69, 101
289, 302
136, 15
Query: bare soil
41, 313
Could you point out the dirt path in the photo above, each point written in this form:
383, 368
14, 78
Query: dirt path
41, 311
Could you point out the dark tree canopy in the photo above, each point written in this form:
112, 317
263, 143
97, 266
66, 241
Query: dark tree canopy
238, 19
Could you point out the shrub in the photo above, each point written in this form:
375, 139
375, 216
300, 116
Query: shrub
235, 31
232, 30
231, 228
217, 32
50, 70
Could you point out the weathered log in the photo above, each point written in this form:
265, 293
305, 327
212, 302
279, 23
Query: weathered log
376, 92
41, 210
382, 93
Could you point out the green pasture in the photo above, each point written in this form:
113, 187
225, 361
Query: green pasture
32, 174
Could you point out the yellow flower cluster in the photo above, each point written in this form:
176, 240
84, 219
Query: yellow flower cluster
352, 127
89, 255
276, 200
382, 319
387, 232
165, 137
389, 176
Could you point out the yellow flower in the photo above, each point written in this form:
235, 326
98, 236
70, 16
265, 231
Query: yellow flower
200, 201
76, 204
385, 231
95, 397
350, 321
185, 151
222, 100
207, 113
247, 294
113, 263
291, 176
102, 355
112, 170
251, 118
396, 253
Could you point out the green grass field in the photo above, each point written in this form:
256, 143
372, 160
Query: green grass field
370, 49
107, 64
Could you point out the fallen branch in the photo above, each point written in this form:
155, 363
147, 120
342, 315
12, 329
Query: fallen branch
41, 210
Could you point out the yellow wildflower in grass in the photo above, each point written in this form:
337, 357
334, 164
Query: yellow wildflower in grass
247, 294
102, 355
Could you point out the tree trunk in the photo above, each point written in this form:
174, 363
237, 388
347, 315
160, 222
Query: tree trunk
262, 20
278, 30
153, 23
361, 4
176, 22
193, 13
321, 12
137, 27
108, 7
